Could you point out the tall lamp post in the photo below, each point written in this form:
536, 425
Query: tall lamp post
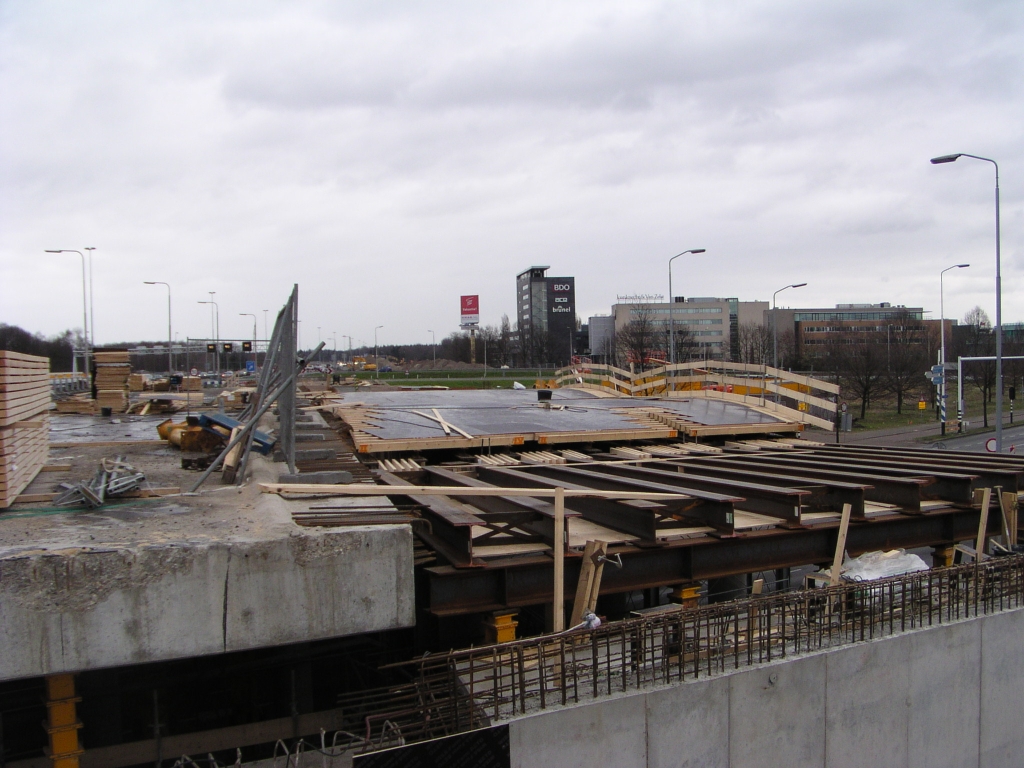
92, 315
433, 345
215, 329
942, 346
85, 323
250, 314
170, 336
376, 357
672, 305
999, 298
775, 324
265, 337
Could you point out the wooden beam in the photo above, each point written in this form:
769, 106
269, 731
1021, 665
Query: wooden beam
589, 585
837, 558
986, 498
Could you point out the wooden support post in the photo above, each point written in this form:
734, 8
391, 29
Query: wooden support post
1008, 504
230, 469
558, 620
986, 499
837, 558
590, 580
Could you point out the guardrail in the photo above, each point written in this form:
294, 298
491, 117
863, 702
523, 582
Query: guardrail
68, 383
466, 689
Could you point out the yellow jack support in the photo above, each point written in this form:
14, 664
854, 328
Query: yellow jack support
686, 595
500, 627
62, 721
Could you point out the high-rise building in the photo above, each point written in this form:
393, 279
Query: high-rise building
546, 309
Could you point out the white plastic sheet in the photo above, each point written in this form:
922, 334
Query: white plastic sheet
879, 565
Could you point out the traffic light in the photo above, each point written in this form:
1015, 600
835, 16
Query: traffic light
247, 346
228, 348
211, 348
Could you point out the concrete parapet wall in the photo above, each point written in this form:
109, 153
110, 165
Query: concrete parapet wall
944, 696
79, 609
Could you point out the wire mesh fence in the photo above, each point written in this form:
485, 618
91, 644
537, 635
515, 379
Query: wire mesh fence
475, 687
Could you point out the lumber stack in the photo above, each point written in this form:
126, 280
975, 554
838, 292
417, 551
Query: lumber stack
24, 421
191, 384
77, 404
137, 382
112, 372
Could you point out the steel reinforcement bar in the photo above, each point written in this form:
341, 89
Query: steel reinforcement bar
466, 689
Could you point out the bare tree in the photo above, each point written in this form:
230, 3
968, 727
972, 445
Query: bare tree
906, 345
860, 365
977, 340
755, 343
639, 338
687, 347
503, 344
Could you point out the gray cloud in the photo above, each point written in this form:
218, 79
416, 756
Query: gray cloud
389, 157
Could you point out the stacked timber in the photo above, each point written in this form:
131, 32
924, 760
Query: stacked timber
191, 384
77, 404
137, 382
24, 421
112, 372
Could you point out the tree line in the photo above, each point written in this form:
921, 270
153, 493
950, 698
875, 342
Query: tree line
57, 348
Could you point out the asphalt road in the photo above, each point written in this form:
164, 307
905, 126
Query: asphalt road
1013, 440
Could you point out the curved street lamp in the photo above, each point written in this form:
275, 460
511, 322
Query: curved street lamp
672, 305
170, 336
999, 297
85, 322
215, 330
775, 324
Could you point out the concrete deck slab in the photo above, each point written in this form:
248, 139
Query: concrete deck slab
159, 579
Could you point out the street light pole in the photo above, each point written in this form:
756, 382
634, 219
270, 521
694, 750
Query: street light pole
942, 346
92, 315
433, 344
672, 305
85, 324
215, 329
170, 336
999, 297
775, 324
265, 338
376, 357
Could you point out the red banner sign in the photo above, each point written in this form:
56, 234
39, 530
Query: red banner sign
470, 310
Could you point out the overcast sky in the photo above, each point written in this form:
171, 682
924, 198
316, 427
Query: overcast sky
390, 156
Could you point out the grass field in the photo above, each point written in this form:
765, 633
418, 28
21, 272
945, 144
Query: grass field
882, 412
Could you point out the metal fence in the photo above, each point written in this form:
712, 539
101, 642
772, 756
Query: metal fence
466, 689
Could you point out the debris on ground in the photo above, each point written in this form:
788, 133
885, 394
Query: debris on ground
114, 478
